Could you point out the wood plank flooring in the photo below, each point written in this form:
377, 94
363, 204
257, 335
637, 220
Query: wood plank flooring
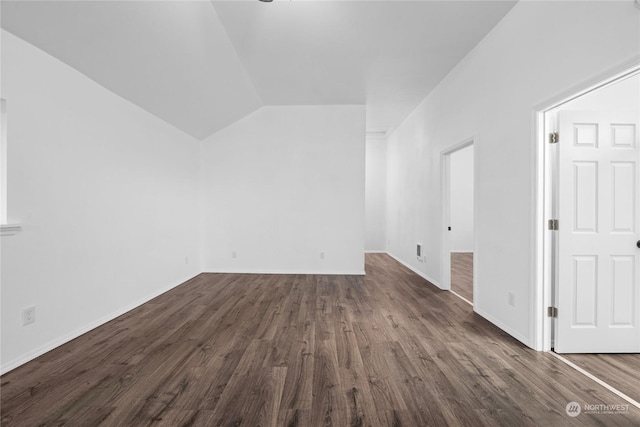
462, 274
621, 371
388, 349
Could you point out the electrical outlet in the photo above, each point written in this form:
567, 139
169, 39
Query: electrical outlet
321, 255
234, 254
512, 299
28, 315
186, 260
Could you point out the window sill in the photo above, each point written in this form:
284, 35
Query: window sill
10, 229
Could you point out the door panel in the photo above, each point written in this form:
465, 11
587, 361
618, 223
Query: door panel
623, 135
598, 261
585, 291
623, 272
585, 208
623, 215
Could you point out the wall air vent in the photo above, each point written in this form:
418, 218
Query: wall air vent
377, 133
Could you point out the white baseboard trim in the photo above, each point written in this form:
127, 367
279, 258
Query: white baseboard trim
461, 297
9, 366
418, 272
375, 252
291, 272
515, 334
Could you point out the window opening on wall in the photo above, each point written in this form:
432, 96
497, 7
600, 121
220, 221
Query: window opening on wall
3, 161
6, 229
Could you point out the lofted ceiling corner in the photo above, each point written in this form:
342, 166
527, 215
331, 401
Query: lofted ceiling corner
204, 64
171, 58
386, 54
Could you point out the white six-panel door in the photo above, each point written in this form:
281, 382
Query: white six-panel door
598, 208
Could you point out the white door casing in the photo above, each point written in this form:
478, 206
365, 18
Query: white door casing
598, 275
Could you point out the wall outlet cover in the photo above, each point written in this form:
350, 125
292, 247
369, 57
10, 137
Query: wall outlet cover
28, 315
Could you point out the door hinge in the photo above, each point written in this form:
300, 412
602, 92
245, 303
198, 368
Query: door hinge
553, 224
554, 137
552, 311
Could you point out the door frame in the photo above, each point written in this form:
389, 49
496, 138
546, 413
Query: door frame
544, 291
445, 179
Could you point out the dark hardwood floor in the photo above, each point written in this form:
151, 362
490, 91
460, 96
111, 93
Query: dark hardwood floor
621, 371
387, 349
462, 274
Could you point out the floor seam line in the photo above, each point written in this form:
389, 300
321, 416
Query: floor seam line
596, 379
576, 367
461, 297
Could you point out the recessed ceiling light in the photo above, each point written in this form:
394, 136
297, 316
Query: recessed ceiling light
266, 1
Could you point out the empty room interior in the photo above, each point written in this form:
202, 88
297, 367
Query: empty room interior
315, 213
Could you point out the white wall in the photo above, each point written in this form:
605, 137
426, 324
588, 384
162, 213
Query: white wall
284, 185
619, 96
107, 197
538, 51
461, 202
376, 195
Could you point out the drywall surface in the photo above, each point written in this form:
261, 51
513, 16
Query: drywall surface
376, 195
107, 198
619, 96
461, 202
537, 52
283, 192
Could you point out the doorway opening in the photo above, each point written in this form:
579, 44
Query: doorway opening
458, 219
590, 219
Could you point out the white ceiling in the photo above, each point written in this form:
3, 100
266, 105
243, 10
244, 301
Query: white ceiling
202, 65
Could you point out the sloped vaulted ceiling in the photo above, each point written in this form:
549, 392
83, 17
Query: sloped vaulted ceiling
201, 65
172, 58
